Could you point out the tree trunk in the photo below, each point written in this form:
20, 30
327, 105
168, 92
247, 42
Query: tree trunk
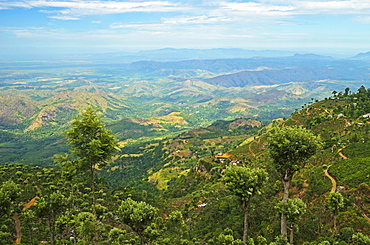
74, 235
335, 227
51, 230
73, 209
245, 231
95, 239
140, 238
286, 183
291, 234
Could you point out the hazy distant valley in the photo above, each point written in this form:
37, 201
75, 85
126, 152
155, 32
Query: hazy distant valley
145, 100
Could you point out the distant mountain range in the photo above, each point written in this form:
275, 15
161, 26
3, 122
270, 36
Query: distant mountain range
171, 54
362, 56
257, 71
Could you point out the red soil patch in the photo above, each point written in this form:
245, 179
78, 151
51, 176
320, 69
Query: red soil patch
30, 203
225, 155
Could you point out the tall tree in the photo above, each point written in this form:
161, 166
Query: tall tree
290, 148
9, 192
91, 144
245, 182
334, 203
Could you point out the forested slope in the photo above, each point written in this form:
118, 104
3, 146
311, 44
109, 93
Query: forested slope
181, 181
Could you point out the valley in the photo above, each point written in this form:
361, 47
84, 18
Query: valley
38, 99
179, 126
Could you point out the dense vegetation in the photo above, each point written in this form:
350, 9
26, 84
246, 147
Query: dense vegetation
183, 189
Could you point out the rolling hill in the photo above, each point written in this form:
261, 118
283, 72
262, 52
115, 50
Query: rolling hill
188, 169
177, 135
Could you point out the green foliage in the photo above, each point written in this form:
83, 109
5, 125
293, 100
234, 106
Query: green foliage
9, 192
360, 239
92, 146
175, 227
334, 202
227, 239
294, 210
245, 182
117, 236
138, 215
291, 147
86, 226
5, 237
352, 172
90, 141
195, 208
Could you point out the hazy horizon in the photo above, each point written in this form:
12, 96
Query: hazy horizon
46, 28
45, 55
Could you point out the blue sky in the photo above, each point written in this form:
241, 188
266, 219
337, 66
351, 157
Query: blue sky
29, 27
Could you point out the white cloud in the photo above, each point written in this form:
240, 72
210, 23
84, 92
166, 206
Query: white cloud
32, 32
140, 26
298, 7
78, 8
224, 22
256, 8
334, 7
13, 4
203, 19
64, 17
205, 11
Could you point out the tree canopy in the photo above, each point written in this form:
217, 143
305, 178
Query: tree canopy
90, 140
290, 147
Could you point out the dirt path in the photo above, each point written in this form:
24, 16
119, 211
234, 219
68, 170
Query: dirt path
333, 181
18, 233
17, 222
365, 216
334, 184
30, 203
341, 154
250, 149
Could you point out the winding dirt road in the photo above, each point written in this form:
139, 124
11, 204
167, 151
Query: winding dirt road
333, 181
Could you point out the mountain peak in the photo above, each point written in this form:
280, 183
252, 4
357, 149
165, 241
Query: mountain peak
311, 56
362, 56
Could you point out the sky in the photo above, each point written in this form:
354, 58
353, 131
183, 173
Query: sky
52, 27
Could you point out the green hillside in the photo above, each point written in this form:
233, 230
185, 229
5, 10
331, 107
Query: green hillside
181, 176
189, 168
178, 138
